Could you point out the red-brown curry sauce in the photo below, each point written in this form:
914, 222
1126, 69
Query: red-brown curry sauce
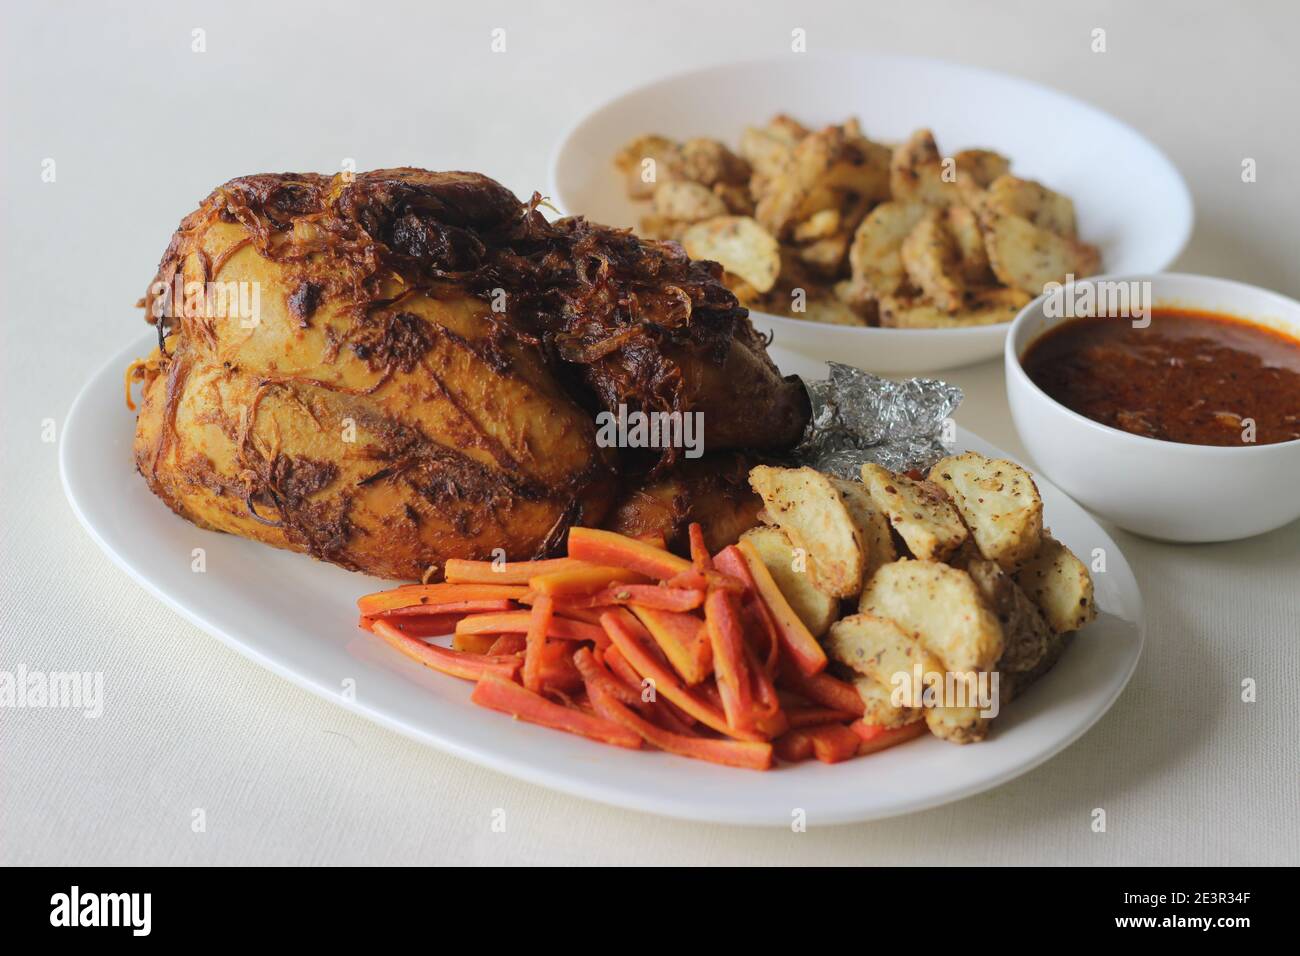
1190, 377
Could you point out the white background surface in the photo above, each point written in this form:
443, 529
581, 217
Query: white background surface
141, 128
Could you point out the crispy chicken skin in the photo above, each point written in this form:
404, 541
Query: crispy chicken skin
420, 377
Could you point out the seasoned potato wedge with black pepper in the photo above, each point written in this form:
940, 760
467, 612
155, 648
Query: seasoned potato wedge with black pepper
1033, 201
648, 161
686, 201
999, 502
1028, 257
917, 173
942, 608
1059, 583
743, 247
877, 647
981, 307
789, 569
1026, 635
977, 168
964, 227
709, 162
805, 505
873, 526
830, 310
878, 707
932, 261
875, 255
919, 511
960, 725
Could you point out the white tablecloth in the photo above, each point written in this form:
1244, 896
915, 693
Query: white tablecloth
141, 127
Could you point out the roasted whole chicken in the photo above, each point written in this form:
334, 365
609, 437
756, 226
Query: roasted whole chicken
393, 368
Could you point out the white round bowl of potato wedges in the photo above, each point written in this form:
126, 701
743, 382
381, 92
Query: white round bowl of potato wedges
890, 212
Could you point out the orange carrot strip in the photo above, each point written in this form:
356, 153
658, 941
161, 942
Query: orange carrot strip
558, 670
654, 539
609, 548
752, 755
538, 625
697, 580
508, 644
802, 647
648, 595
832, 743
459, 571
829, 692
769, 719
657, 711
473, 643
409, 595
728, 643
701, 560
755, 610
622, 630
794, 746
572, 608
518, 622
874, 737
665, 712
624, 671
587, 579
444, 659
812, 716
508, 697
591, 670
455, 607
683, 638
416, 625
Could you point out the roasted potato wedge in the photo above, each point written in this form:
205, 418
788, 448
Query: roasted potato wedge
1033, 201
1059, 583
1026, 635
964, 227
932, 261
982, 307
830, 310
1028, 257
916, 173
920, 512
740, 244
999, 502
942, 608
873, 526
820, 225
977, 168
660, 227
815, 607
686, 201
709, 162
823, 169
875, 256
877, 647
960, 725
642, 177
878, 705
735, 197
808, 508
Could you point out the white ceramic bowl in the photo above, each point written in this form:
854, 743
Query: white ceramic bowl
1161, 489
1138, 211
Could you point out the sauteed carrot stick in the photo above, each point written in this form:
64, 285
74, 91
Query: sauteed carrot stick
627, 644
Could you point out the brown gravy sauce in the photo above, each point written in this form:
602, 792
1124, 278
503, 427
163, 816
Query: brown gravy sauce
1198, 378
